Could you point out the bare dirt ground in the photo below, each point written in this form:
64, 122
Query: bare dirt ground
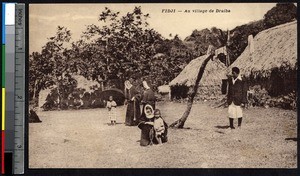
83, 139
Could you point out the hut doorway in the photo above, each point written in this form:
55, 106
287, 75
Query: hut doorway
179, 92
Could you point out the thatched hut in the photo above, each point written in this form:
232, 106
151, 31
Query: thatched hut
271, 59
210, 84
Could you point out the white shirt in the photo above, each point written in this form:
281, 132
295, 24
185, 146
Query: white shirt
159, 125
234, 80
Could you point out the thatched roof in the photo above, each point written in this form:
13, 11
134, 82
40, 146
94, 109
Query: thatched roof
273, 48
214, 72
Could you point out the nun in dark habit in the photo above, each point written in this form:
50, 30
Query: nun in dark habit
133, 111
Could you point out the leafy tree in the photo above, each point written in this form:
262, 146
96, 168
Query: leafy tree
280, 14
39, 78
53, 65
175, 56
124, 46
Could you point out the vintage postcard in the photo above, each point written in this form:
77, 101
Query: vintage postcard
163, 85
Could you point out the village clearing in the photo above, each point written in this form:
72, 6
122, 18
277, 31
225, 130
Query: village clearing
83, 139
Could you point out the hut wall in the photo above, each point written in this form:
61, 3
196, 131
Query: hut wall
210, 92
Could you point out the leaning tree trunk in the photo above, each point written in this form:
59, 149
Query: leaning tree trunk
180, 122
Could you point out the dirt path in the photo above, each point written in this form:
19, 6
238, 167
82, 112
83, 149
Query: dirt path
83, 139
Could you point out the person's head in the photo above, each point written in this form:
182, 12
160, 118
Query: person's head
235, 72
111, 98
149, 111
157, 113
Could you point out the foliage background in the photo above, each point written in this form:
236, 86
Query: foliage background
125, 47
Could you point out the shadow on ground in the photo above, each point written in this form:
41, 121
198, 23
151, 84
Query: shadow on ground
222, 127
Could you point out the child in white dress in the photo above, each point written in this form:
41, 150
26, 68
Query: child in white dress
112, 108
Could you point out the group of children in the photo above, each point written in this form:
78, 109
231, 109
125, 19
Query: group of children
154, 119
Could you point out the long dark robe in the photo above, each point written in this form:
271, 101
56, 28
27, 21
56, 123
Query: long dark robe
148, 98
147, 132
133, 111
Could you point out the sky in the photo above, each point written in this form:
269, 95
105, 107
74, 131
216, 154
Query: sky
44, 18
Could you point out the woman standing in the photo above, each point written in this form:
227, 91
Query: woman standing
133, 111
148, 97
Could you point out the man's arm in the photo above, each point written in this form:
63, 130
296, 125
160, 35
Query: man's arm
229, 92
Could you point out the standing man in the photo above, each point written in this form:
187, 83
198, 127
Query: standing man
236, 97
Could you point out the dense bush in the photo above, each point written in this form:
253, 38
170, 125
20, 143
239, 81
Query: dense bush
260, 97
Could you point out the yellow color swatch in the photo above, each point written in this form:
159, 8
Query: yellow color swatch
3, 109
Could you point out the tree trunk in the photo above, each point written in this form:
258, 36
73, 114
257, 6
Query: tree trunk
36, 91
180, 122
58, 83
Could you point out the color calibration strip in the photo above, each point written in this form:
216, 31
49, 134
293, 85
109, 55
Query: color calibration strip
8, 75
3, 91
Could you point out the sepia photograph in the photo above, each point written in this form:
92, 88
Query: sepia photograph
162, 85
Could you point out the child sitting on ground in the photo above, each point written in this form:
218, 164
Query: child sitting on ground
112, 106
159, 126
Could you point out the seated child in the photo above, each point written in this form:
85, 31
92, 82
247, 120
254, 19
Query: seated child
111, 106
159, 126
